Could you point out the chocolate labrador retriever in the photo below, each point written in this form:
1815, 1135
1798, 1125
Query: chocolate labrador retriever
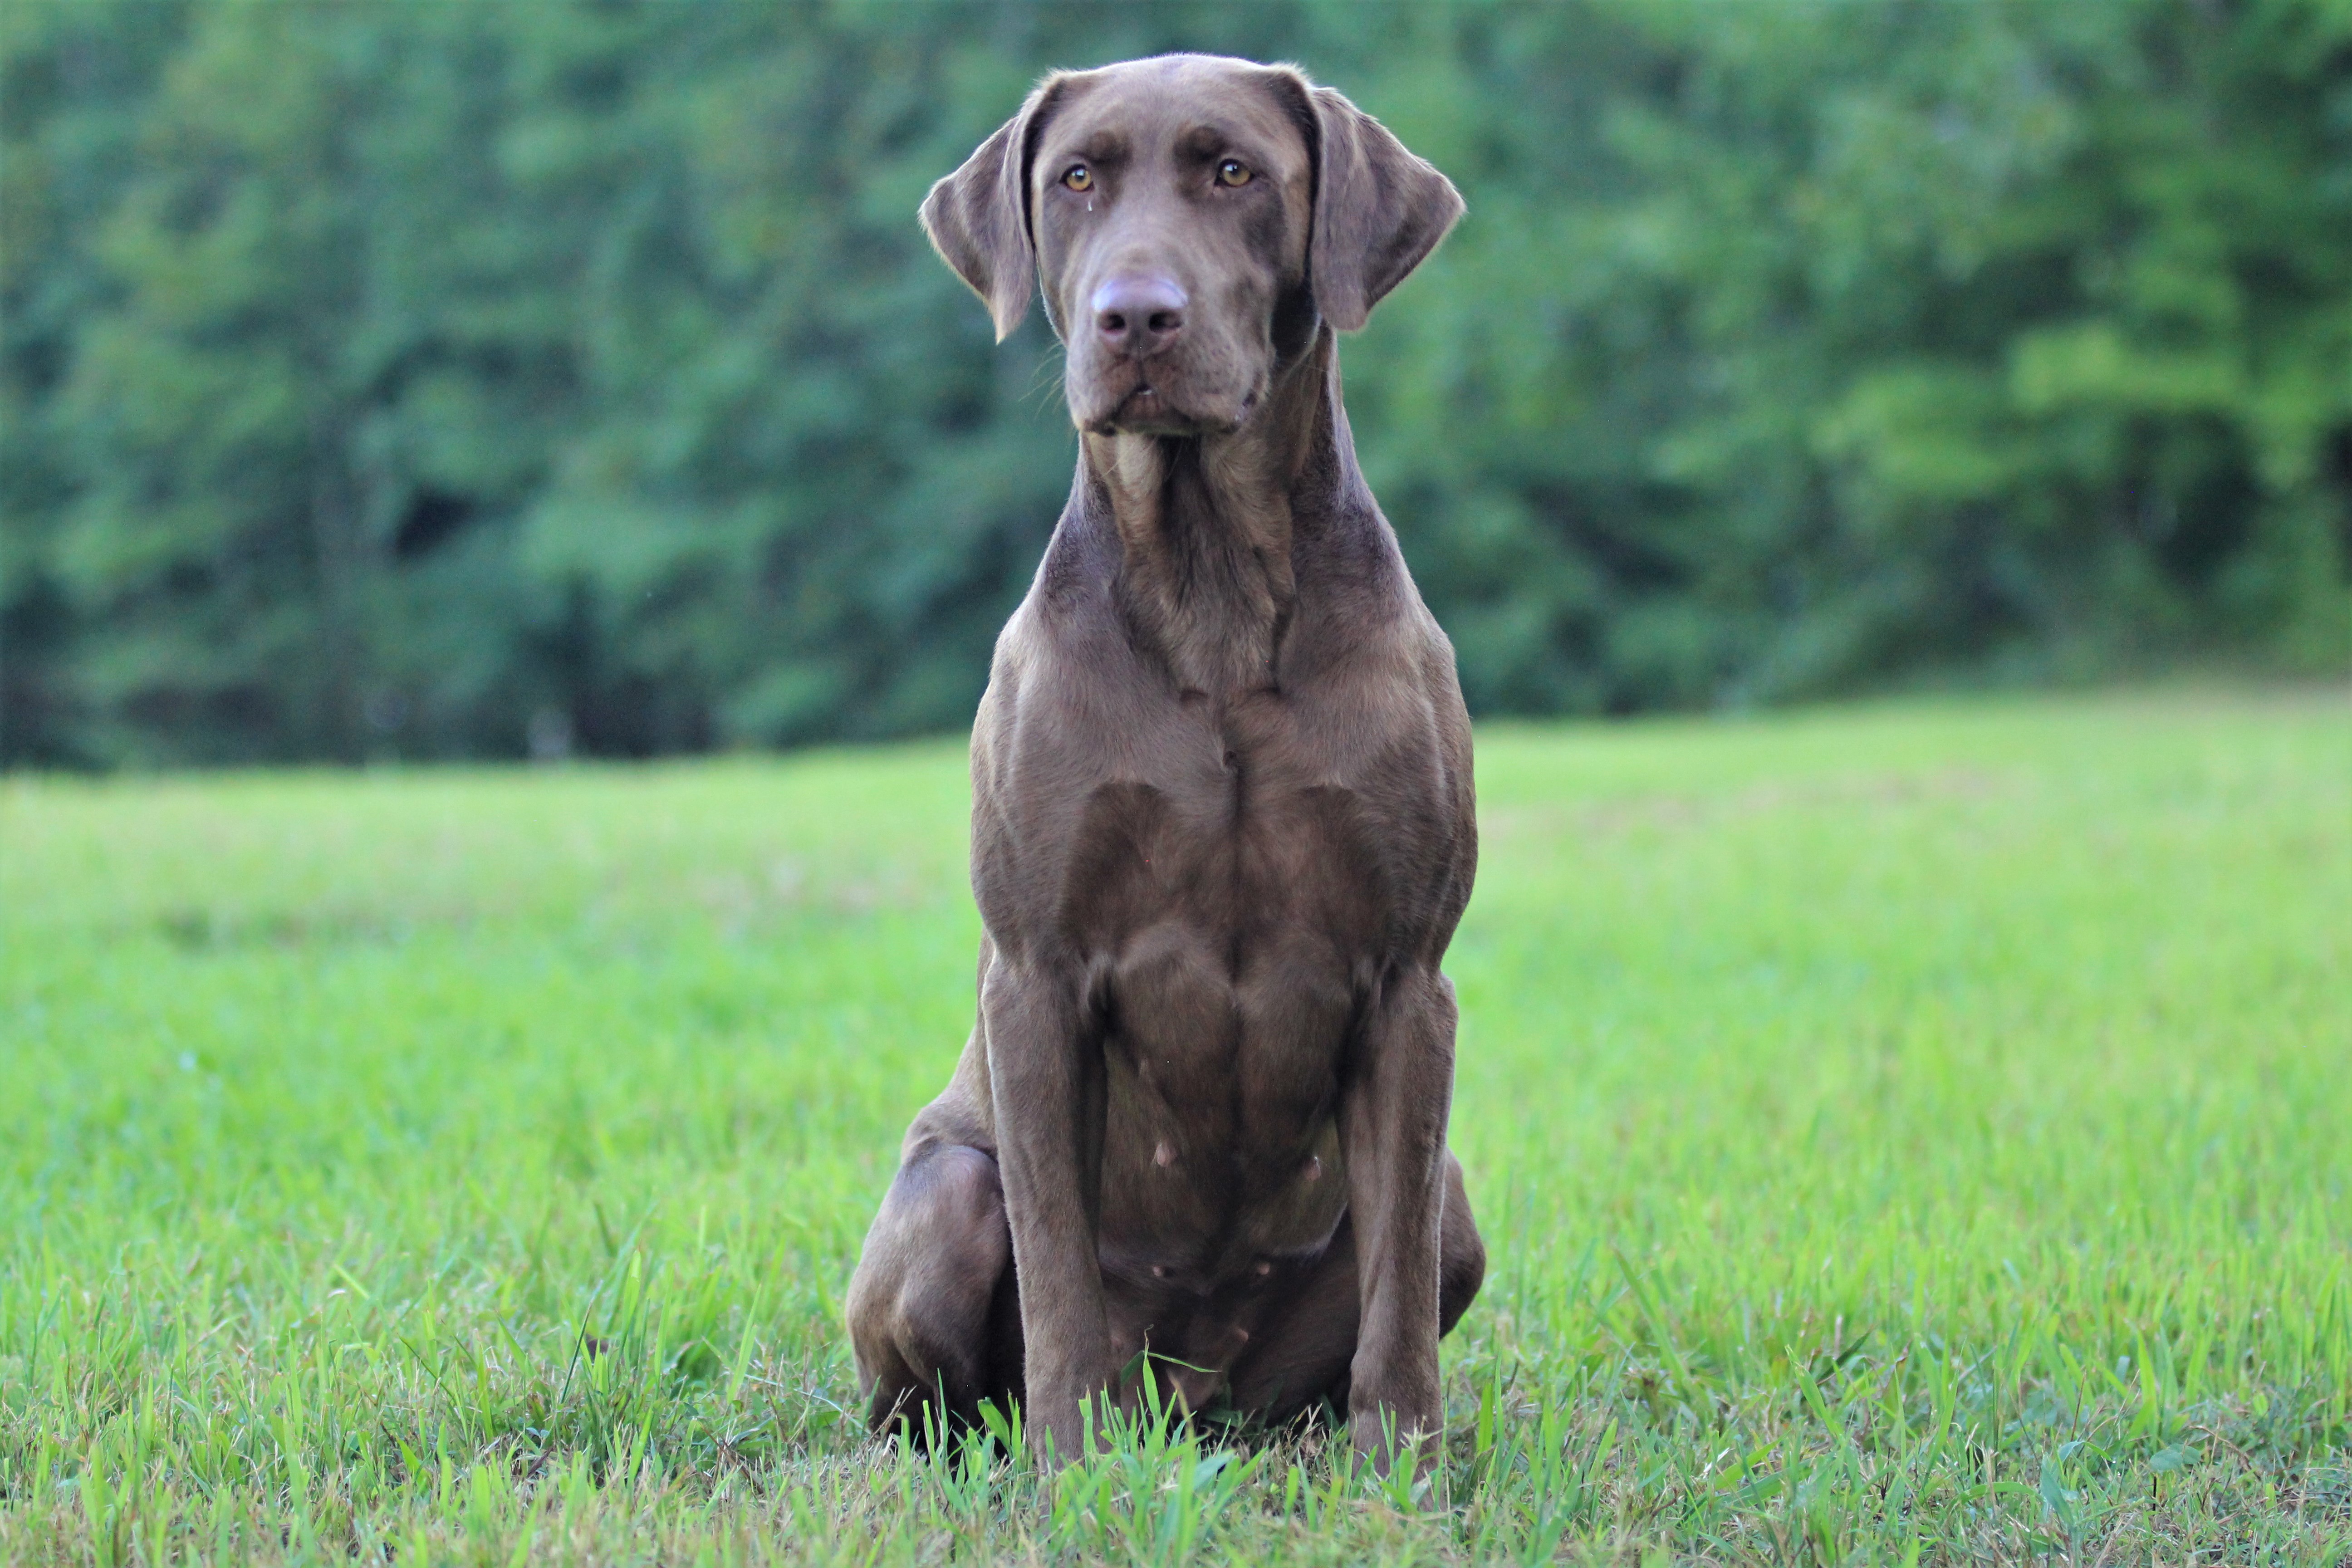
1221, 822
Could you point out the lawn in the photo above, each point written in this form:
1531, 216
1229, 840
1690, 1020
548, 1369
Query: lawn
1915, 1131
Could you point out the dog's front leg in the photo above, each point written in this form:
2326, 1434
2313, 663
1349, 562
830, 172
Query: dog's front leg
1046, 1079
1393, 1129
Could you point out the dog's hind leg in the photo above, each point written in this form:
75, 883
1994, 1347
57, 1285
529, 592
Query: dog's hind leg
1461, 1251
1302, 1356
925, 1304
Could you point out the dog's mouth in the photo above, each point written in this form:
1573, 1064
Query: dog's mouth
1147, 410
1142, 410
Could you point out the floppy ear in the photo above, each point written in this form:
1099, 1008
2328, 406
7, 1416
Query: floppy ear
1378, 210
978, 217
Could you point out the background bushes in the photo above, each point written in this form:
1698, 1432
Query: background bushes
467, 380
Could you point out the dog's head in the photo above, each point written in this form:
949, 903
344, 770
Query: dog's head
1189, 219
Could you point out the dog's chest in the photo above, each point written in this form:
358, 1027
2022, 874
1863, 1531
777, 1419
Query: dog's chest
1237, 905
1232, 857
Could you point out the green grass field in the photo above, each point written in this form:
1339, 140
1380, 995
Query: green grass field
1914, 1132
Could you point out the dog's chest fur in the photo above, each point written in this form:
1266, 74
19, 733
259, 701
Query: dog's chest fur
1245, 772
1230, 907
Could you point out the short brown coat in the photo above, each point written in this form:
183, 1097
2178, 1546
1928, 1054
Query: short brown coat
1223, 815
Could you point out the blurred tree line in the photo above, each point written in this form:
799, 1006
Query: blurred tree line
459, 379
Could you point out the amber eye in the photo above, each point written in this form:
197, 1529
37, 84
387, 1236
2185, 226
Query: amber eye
1233, 172
1078, 177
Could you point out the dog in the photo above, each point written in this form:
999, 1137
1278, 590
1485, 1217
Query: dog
1223, 814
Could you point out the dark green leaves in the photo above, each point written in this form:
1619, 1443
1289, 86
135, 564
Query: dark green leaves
470, 380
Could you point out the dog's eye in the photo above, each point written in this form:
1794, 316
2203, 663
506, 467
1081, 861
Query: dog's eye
1233, 172
1078, 177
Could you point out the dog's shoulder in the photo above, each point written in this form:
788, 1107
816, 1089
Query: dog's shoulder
1363, 613
1068, 610
1063, 671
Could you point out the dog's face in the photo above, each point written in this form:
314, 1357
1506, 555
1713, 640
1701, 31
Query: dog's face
1171, 204
1190, 220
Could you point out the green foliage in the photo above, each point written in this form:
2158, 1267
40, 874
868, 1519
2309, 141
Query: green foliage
439, 380
1900, 1134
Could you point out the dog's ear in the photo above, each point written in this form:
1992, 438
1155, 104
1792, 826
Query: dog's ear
978, 217
1378, 210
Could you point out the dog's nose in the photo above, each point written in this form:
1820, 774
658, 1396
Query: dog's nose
1138, 316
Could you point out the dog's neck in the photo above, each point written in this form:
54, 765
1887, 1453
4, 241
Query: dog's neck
1206, 526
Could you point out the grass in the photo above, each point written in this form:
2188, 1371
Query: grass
1916, 1133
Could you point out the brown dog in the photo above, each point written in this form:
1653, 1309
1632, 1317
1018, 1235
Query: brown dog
1221, 822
